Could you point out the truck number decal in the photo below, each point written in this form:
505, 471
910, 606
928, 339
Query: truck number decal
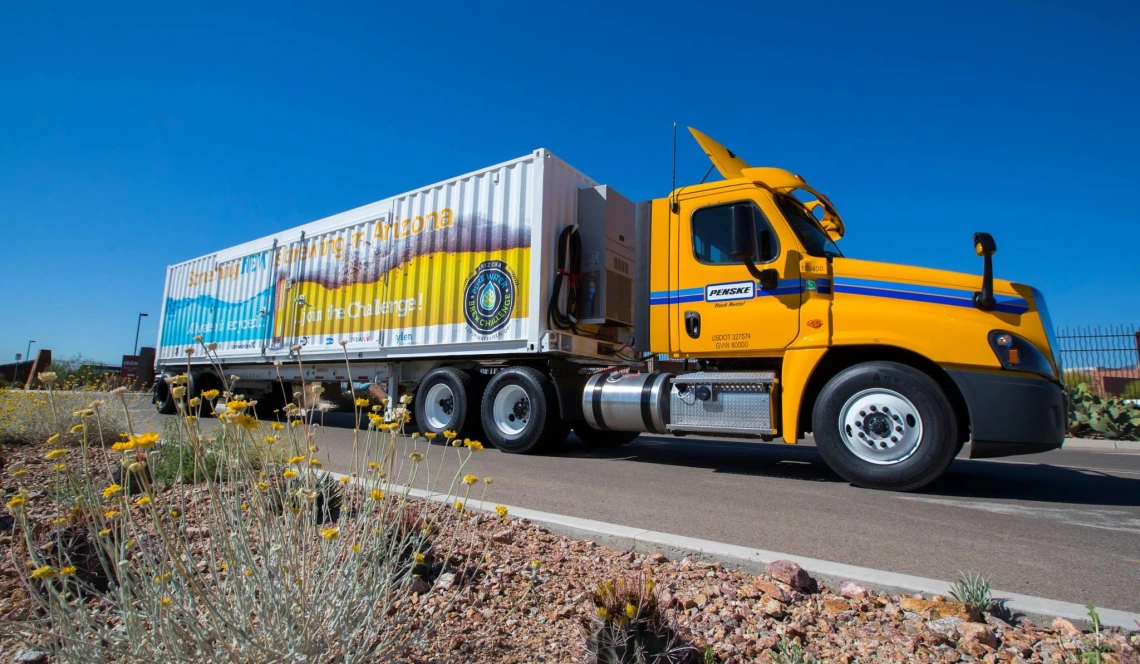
732, 340
737, 290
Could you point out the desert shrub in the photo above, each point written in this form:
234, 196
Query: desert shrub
974, 591
631, 627
1109, 417
223, 571
33, 416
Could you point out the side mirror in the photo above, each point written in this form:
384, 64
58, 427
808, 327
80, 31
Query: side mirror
985, 247
743, 232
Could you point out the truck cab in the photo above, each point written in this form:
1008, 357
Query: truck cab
893, 368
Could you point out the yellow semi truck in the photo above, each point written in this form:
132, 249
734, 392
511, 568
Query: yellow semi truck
525, 300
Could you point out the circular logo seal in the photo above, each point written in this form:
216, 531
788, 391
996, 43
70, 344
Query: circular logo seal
489, 297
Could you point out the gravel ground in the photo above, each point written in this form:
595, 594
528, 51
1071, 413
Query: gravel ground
535, 596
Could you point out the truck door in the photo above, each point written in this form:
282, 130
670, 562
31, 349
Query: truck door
719, 308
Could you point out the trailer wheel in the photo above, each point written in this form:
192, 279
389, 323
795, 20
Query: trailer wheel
447, 399
197, 384
520, 411
272, 401
885, 425
592, 437
163, 398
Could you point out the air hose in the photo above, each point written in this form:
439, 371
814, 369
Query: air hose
569, 268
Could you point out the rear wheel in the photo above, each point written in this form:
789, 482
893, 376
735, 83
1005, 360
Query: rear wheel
520, 411
447, 400
163, 398
592, 437
885, 425
199, 383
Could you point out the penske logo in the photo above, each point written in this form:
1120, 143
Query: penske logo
737, 290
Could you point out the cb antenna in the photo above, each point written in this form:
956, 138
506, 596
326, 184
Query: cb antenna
673, 207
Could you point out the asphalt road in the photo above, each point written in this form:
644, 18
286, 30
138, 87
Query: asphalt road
1063, 525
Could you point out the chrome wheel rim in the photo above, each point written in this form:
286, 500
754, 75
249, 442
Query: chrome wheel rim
512, 410
880, 426
439, 406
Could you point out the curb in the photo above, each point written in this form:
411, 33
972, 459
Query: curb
754, 560
1098, 444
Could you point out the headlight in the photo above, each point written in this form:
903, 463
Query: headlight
1017, 354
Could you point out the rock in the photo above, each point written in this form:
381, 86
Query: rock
772, 608
852, 590
687, 602
791, 574
658, 558
835, 606
1066, 628
503, 537
947, 626
419, 586
932, 610
973, 632
30, 656
445, 581
702, 599
771, 590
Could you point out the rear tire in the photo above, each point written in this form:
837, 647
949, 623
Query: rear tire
520, 411
163, 398
592, 437
885, 425
447, 399
201, 383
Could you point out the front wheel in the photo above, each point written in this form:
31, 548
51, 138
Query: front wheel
520, 411
885, 425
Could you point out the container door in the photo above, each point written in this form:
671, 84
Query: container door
719, 307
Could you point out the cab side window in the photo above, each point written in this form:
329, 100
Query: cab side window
712, 236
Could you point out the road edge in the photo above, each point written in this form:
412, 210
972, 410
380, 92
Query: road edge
753, 560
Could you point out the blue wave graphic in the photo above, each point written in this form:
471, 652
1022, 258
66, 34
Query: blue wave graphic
216, 321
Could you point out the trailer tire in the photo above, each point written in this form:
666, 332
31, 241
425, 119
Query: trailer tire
520, 411
447, 399
592, 437
197, 384
885, 425
273, 401
163, 397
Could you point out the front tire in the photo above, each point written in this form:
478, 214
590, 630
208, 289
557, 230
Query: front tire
885, 425
520, 411
163, 398
447, 400
592, 437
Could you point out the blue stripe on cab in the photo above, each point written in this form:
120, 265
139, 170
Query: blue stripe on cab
958, 297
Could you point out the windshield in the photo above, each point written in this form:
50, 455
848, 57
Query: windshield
815, 240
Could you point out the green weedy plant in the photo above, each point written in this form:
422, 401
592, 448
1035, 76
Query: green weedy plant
974, 591
1092, 651
1110, 417
211, 572
631, 627
790, 652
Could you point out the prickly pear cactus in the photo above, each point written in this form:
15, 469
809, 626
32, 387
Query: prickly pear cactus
1109, 417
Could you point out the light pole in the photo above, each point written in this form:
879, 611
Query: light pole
137, 328
29, 353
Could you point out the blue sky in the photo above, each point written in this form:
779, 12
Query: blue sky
137, 135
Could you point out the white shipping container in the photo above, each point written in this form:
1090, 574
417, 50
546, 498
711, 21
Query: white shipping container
462, 267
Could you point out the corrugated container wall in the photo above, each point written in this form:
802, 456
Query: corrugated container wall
460, 267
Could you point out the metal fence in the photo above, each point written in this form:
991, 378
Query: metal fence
1107, 359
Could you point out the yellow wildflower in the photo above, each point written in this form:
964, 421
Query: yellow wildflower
449, 434
61, 520
315, 462
52, 440
430, 435
248, 572
263, 486
55, 454
129, 543
276, 426
356, 547
247, 422
373, 465
362, 402
104, 532
110, 514
43, 572
136, 467
143, 501
470, 479
296, 423
270, 439
112, 490
195, 402
330, 533
345, 480
166, 601
474, 445
123, 447
630, 610
419, 557
160, 579
377, 494
296, 459
489, 480
501, 510
60, 466
210, 394
236, 406
78, 428
416, 456
289, 474
459, 505
178, 392
68, 570
145, 440
16, 501
19, 473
